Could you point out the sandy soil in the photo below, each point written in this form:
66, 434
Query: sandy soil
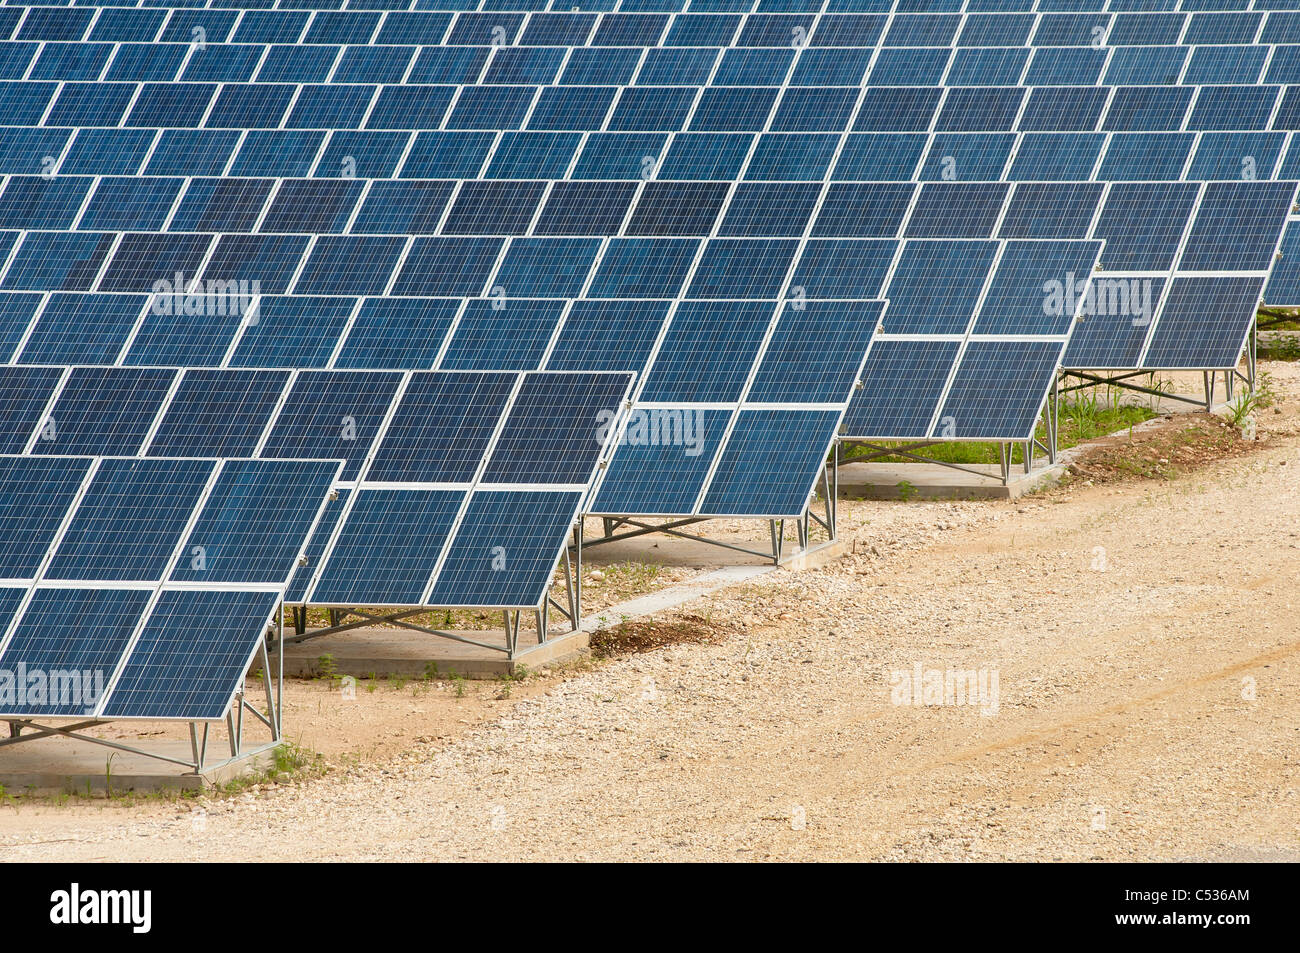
1142, 628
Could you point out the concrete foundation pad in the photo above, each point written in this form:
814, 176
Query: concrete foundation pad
932, 481
674, 596
53, 766
405, 653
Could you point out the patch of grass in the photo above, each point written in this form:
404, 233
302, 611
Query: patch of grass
1090, 414
1242, 407
630, 576
326, 668
290, 762
630, 637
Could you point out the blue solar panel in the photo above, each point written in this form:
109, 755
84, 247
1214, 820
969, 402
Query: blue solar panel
1283, 288
1019, 372
169, 336
332, 415
35, 496
1142, 224
1236, 155
608, 336
218, 413
936, 285
902, 384
397, 333
82, 329
442, 428
553, 433
815, 352
293, 332
1237, 226
546, 267
79, 634
191, 655
104, 410
447, 266
1203, 323
128, 525
1146, 156
708, 351
315, 551
663, 458
255, 521
1112, 333
1050, 210
377, 560
506, 549
502, 334
1032, 289
948, 210
770, 462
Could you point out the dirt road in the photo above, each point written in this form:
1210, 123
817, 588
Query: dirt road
1145, 639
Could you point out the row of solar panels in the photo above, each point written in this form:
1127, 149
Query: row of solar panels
124, 653
663, 249
1228, 226
643, 71
480, 461
215, 157
404, 107
707, 6
1161, 229
434, 427
494, 460
835, 25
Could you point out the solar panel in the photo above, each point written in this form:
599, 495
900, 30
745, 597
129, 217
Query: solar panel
36, 495
1283, 288
82, 632
131, 520
180, 670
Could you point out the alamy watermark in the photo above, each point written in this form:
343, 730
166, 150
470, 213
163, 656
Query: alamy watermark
215, 298
976, 688
656, 427
1116, 297
66, 689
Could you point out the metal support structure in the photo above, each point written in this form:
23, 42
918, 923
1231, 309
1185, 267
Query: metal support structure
570, 563
1121, 381
198, 763
827, 487
1209, 379
907, 450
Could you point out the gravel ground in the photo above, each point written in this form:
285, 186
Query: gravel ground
1144, 640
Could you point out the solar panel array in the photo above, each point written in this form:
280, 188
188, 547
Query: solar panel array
141, 588
600, 160
232, 229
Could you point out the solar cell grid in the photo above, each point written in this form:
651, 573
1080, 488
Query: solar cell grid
620, 225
